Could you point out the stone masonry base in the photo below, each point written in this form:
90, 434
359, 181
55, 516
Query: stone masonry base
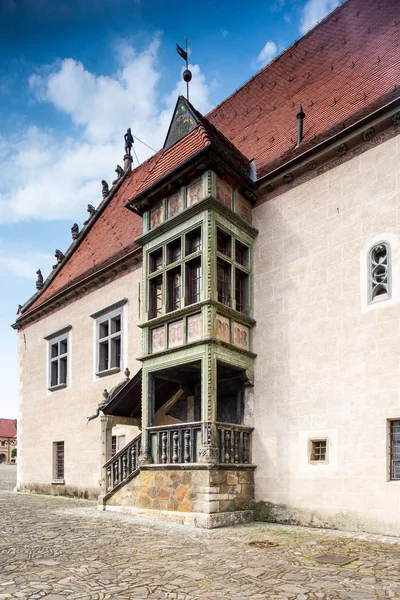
194, 519
199, 495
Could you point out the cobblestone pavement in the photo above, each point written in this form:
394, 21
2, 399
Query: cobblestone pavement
57, 548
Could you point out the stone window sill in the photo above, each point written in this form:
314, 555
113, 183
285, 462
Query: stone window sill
58, 481
55, 388
108, 372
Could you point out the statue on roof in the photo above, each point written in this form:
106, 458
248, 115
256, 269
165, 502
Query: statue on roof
39, 280
75, 231
128, 137
119, 171
104, 189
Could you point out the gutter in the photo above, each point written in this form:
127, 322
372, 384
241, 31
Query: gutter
370, 119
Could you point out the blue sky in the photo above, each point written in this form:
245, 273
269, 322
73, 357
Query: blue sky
74, 74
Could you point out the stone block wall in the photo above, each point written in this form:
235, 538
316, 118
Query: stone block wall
328, 363
188, 490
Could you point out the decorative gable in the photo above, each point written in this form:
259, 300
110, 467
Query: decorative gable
183, 122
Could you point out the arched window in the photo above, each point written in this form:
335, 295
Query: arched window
379, 272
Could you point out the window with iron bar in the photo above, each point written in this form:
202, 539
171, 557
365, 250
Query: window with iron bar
394, 449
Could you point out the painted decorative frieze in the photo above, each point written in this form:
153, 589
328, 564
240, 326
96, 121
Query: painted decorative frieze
222, 329
244, 208
241, 336
194, 192
174, 205
175, 334
156, 216
194, 328
224, 193
158, 339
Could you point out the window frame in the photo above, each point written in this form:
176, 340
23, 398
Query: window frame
235, 269
109, 339
56, 338
391, 459
377, 298
58, 459
311, 451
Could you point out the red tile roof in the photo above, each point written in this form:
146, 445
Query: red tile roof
339, 71
111, 236
8, 428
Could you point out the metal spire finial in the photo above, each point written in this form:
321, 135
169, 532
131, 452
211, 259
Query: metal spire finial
187, 74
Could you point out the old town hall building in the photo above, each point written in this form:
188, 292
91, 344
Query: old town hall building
229, 315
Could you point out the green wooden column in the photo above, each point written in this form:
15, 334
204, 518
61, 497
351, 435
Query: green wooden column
147, 416
209, 446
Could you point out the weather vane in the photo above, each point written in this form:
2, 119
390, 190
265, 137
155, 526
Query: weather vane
186, 75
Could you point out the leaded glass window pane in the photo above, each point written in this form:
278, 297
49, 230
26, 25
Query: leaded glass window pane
379, 272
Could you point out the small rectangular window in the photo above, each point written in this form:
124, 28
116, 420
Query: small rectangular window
156, 260
174, 252
241, 254
58, 460
241, 290
318, 451
193, 241
113, 445
224, 283
58, 357
174, 289
224, 243
156, 296
394, 449
193, 278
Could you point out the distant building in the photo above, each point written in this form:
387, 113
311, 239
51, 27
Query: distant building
248, 275
8, 440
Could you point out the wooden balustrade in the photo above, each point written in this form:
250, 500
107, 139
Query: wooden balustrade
175, 444
123, 464
234, 443
180, 444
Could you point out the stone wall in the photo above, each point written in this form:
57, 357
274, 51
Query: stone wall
328, 363
51, 416
188, 490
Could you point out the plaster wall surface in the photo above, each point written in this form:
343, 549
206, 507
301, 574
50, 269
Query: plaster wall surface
328, 363
51, 416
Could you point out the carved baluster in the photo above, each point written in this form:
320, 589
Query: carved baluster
164, 447
187, 446
109, 482
124, 465
133, 458
175, 441
235, 446
116, 473
227, 456
245, 448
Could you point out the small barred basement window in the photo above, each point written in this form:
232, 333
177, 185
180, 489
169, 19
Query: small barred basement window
394, 450
58, 460
379, 272
318, 450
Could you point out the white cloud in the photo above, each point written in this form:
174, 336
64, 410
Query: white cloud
314, 11
47, 176
26, 264
269, 52
224, 32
